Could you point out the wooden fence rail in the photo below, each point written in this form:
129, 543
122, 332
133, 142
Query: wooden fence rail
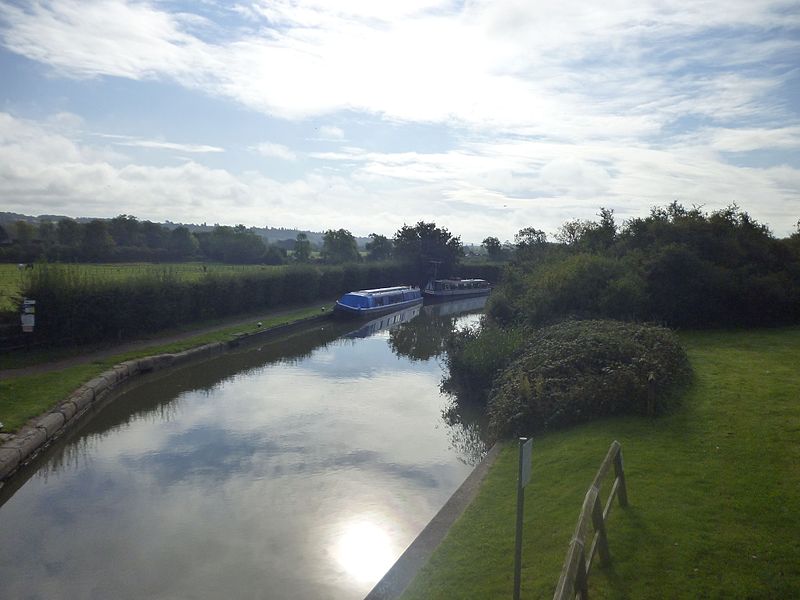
574, 578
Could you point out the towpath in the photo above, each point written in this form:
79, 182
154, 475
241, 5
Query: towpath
106, 351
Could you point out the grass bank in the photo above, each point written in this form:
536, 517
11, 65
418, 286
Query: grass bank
24, 397
714, 491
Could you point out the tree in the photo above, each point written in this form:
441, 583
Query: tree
234, 245
125, 230
69, 233
4, 238
530, 236
339, 246
571, 232
153, 234
424, 245
24, 232
493, 248
275, 255
379, 247
302, 248
97, 242
602, 235
47, 233
182, 244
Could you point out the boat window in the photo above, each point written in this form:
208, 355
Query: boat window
355, 301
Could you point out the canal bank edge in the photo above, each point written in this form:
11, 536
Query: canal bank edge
399, 577
25, 445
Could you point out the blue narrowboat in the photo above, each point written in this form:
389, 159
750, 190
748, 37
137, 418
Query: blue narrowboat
380, 301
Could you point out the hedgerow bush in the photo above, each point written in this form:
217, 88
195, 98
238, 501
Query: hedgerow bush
576, 371
75, 306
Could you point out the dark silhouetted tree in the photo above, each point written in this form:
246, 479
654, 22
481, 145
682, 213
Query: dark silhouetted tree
182, 244
379, 247
493, 247
339, 246
425, 245
302, 248
97, 242
69, 233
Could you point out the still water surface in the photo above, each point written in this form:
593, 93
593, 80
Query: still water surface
301, 468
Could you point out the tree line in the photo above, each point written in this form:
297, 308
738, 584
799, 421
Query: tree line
125, 239
680, 266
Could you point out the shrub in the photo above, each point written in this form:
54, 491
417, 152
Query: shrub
580, 370
475, 356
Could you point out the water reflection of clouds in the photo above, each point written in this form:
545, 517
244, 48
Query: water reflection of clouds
233, 484
214, 455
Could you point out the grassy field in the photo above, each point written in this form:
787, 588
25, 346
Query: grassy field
714, 492
11, 278
22, 398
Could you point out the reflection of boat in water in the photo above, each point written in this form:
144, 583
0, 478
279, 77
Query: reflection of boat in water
379, 301
452, 307
385, 322
441, 290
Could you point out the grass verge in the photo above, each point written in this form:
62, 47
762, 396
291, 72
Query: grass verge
24, 397
714, 491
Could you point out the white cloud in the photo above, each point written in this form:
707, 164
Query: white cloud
161, 145
271, 150
480, 189
744, 140
330, 132
573, 70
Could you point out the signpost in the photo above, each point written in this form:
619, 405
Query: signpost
28, 316
523, 478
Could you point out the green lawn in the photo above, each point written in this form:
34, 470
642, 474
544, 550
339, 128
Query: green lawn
714, 492
22, 398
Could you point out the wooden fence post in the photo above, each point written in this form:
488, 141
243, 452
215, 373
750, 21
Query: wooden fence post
619, 473
600, 528
581, 577
574, 577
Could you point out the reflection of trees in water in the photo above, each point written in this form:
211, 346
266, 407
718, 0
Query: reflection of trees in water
423, 338
467, 431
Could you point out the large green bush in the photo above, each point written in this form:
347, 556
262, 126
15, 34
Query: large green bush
579, 370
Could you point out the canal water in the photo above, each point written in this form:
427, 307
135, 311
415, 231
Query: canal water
299, 468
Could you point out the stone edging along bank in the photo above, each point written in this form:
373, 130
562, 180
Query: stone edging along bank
401, 574
38, 433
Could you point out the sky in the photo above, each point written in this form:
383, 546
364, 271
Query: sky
484, 117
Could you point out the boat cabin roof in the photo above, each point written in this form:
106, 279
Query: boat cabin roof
457, 280
388, 290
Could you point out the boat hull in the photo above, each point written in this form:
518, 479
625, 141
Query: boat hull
447, 295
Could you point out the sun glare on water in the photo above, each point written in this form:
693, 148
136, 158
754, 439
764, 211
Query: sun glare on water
365, 551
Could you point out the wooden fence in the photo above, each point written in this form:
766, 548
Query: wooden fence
574, 578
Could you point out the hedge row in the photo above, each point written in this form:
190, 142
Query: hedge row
73, 306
